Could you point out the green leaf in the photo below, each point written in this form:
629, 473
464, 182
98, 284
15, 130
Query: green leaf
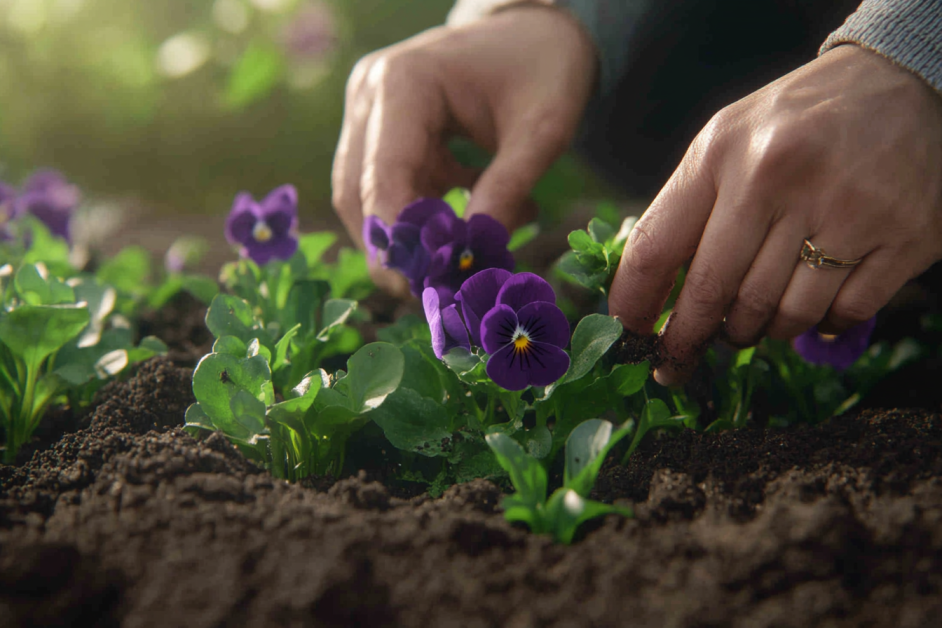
593, 336
404, 329
127, 271
33, 332
586, 448
255, 348
336, 313
415, 423
566, 510
373, 373
281, 348
101, 300
314, 245
232, 316
230, 345
523, 236
421, 375
200, 286
526, 473
600, 231
618, 242
458, 199
538, 442
350, 276
219, 376
304, 304
249, 413
111, 363
582, 242
195, 417
44, 246
628, 379
254, 75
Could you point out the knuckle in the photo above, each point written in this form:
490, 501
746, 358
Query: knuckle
705, 290
643, 253
853, 309
754, 301
792, 320
359, 74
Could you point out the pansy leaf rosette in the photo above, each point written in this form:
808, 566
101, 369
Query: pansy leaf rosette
516, 320
840, 351
265, 230
399, 246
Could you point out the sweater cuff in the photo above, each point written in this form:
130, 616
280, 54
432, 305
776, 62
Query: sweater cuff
610, 23
908, 32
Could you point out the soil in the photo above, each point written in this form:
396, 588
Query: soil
120, 518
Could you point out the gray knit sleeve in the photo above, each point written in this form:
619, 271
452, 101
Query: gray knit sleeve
908, 32
610, 23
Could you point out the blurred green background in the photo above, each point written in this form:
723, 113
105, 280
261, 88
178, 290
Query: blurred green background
179, 104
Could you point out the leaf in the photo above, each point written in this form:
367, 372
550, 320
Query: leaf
421, 375
566, 510
249, 413
526, 473
33, 332
524, 235
304, 303
336, 313
282, 346
314, 245
219, 376
600, 231
404, 329
230, 345
231, 316
195, 417
200, 286
111, 363
255, 348
458, 199
415, 423
127, 271
101, 300
593, 336
350, 275
254, 75
586, 448
618, 242
373, 373
628, 379
539, 442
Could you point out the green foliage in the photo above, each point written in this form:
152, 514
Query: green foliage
568, 507
595, 254
56, 340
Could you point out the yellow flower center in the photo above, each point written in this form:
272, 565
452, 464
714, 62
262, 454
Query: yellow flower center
828, 337
466, 261
261, 231
521, 342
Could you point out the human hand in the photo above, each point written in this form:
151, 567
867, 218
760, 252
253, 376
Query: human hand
845, 151
515, 83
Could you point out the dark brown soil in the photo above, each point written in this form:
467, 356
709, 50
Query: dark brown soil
131, 522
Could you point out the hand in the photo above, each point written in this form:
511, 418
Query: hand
845, 151
515, 83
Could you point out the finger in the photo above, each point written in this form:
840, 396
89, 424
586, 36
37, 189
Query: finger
348, 160
522, 158
871, 286
403, 135
664, 238
811, 291
731, 241
761, 291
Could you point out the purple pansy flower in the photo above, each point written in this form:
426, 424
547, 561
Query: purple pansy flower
51, 198
448, 330
312, 32
839, 351
523, 330
7, 201
460, 249
400, 246
266, 230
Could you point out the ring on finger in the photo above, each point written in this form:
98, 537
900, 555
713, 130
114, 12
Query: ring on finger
816, 258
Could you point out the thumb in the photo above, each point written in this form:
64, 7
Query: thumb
503, 190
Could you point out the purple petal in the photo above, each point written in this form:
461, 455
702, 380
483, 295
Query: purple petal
478, 295
841, 351
55, 216
485, 233
419, 212
447, 329
43, 180
281, 200
544, 322
244, 214
524, 288
406, 234
444, 228
540, 365
375, 236
498, 328
277, 248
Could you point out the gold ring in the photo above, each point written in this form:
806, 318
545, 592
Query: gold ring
816, 258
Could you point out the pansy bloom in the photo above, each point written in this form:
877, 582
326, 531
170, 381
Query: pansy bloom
48, 196
522, 328
460, 249
839, 351
399, 246
7, 199
266, 230
448, 330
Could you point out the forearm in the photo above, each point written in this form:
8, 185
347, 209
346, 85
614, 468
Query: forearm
610, 24
908, 32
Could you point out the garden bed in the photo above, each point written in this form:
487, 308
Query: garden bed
126, 520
